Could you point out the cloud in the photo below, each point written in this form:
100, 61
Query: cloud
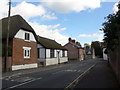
26, 10
115, 8
3, 8
29, 10
50, 31
58, 0
53, 26
65, 6
96, 36
49, 17
109, 0
90, 35
59, 30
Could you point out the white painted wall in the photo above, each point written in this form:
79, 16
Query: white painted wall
47, 53
21, 35
42, 53
55, 52
63, 59
60, 53
26, 66
51, 61
66, 53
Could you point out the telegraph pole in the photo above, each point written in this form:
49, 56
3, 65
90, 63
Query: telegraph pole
7, 37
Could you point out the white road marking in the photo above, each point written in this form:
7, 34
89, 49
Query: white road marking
23, 83
12, 80
7, 79
77, 79
79, 71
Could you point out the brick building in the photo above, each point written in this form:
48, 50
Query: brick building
75, 51
22, 44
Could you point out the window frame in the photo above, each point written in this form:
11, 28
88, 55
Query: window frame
52, 53
27, 36
26, 52
63, 53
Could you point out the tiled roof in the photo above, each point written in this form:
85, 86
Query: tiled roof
77, 46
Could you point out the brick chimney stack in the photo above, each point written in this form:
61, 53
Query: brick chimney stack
69, 39
73, 41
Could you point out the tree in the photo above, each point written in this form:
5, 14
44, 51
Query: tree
97, 47
111, 30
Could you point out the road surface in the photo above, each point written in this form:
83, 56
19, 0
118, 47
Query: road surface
59, 77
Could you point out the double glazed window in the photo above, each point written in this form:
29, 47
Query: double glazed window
27, 36
26, 52
52, 53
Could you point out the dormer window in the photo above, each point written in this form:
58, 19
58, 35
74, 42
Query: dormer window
27, 36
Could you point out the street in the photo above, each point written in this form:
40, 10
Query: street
60, 77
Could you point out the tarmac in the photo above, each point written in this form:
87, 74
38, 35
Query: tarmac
32, 70
101, 76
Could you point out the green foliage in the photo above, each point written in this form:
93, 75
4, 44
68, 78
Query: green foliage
111, 30
87, 46
97, 47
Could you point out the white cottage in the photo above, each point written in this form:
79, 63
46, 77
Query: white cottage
50, 52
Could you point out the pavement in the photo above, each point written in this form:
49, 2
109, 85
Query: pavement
101, 76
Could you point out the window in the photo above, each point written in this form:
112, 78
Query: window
27, 36
26, 52
51, 53
38, 53
63, 53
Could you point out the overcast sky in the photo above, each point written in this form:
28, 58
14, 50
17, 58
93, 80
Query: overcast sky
61, 19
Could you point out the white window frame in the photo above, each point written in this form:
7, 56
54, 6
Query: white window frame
27, 50
29, 36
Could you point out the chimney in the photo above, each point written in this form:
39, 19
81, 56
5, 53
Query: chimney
73, 41
69, 39
77, 43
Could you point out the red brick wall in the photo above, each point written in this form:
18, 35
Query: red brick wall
18, 52
72, 52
